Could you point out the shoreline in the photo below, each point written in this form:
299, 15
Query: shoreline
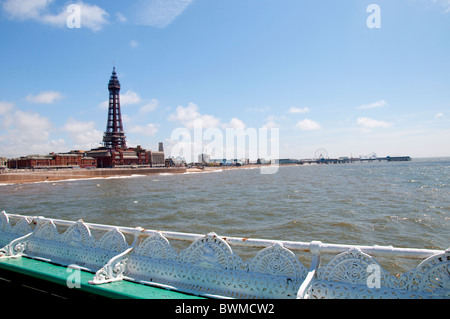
51, 175
25, 177
218, 168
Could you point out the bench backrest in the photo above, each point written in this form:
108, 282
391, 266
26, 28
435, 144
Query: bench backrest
9, 232
75, 246
210, 267
356, 275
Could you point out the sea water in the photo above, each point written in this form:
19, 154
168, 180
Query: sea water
403, 204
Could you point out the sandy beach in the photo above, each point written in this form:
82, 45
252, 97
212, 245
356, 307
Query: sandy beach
29, 176
49, 175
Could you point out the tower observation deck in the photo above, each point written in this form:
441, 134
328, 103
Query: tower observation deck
114, 136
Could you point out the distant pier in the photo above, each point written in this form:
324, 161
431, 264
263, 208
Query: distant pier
343, 160
389, 159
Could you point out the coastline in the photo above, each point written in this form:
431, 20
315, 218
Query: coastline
218, 168
19, 177
51, 175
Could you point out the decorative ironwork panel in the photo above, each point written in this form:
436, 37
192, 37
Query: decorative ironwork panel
349, 276
209, 267
8, 232
433, 276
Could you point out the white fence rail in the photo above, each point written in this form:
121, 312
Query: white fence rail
210, 267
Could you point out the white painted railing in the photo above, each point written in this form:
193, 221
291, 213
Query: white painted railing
210, 267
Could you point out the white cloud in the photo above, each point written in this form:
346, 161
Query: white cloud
148, 130
209, 121
25, 133
134, 44
185, 114
437, 116
235, 123
47, 97
5, 107
189, 114
126, 118
25, 9
36, 147
103, 105
308, 125
149, 107
271, 124
158, 13
91, 16
84, 134
377, 104
130, 97
298, 110
443, 3
121, 17
31, 126
258, 109
369, 123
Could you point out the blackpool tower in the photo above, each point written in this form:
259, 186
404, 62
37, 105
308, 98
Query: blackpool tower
114, 136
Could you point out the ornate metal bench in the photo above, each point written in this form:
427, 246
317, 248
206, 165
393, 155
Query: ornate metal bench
354, 274
13, 237
209, 267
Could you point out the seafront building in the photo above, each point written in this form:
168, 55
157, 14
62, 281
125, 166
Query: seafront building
204, 159
73, 159
3, 162
113, 153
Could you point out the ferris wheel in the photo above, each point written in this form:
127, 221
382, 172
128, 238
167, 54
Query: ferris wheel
320, 154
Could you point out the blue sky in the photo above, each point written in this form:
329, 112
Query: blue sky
312, 69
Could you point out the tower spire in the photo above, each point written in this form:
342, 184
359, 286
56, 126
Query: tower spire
114, 136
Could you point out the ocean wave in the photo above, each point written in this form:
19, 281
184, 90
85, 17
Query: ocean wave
124, 176
333, 204
91, 178
204, 172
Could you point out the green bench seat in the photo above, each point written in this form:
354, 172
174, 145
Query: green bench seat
32, 270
